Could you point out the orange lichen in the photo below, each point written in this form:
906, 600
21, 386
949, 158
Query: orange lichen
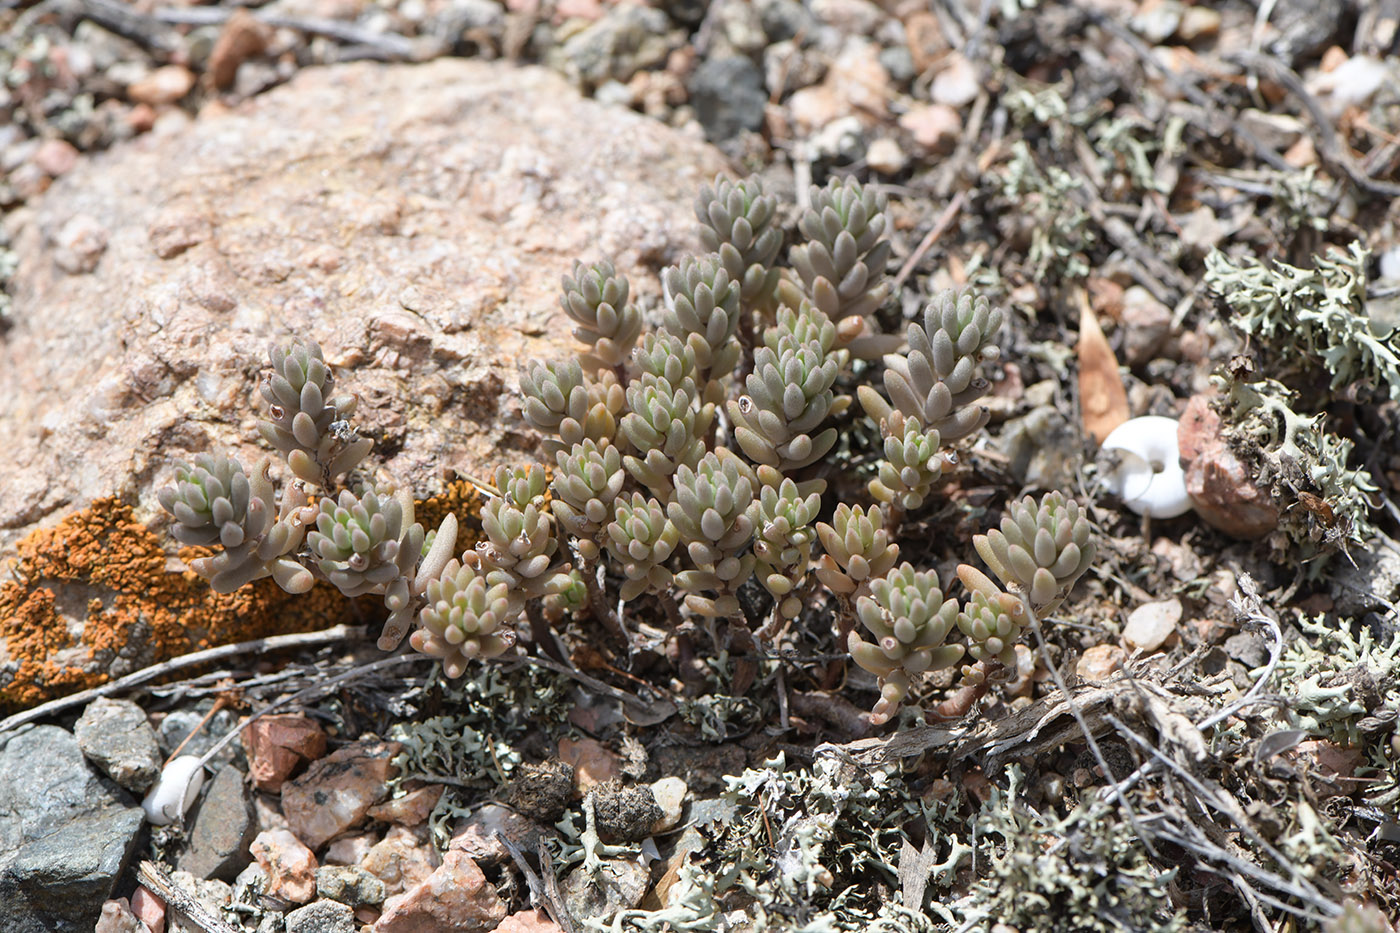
92, 598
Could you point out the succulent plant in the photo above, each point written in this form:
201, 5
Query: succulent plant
595, 298
992, 620
739, 223
936, 380
666, 424
586, 484
858, 550
665, 356
1040, 550
308, 424
466, 618
571, 596
215, 503
909, 620
641, 539
710, 510
783, 537
914, 461
362, 544
569, 407
520, 544
790, 393
702, 310
842, 263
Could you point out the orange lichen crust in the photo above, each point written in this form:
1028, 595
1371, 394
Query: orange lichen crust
462, 498
92, 598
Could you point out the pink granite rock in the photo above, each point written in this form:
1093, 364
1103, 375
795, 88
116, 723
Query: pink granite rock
337, 791
276, 745
456, 898
528, 921
290, 866
1221, 487
405, 857
411, 809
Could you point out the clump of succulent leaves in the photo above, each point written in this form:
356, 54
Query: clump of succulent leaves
685, 462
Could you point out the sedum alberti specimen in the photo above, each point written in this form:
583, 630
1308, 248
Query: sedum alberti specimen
689, 471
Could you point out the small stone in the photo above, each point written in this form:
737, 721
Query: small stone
321, 917
411, 809
957, 85
1222, 490
885, 156
1276, 131
528, 921
117, 917
1302, 153
860, 80
1248, 648
1147, 325
455, 898
404, 858
1201, 230
1100, 662
337, 791
812, 108
593, 763
618, 885
477, 834
165, 85
350, 884
79, 247
935, 127
116, 736
141, 118
149, 909
350, 850
728, 96
55, 157
850, 17
670, 794
290, 866
1352, 83
1198, 22
223, 827
1156, 20
924, 36
242, 37
1151, 624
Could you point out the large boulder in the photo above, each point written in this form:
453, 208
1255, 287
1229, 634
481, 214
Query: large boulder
415, 220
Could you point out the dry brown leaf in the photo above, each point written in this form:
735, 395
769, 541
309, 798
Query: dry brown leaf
1103, 402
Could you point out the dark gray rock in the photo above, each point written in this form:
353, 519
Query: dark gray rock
116, 737
177, 726
729, 97
624, 41
350, 884
66, 835
321, 917
224, 827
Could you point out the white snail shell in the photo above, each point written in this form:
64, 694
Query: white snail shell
1149, 478
169, 799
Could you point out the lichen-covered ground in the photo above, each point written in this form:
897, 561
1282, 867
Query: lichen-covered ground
1208, 736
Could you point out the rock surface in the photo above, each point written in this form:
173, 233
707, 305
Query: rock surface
116, 737
415, 220
65, 835
455, 898
223, 827
337, 791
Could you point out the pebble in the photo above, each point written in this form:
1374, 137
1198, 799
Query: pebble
528, 921
276, 745
957, 85
1100, 662
337, 791
592, 761
241, 38
149, 909
77, 249
812, 108
222, 829
165, 85
1198, 22
456, 897
411, 809
728, 96
935, 127
402, 859
884, 156
1156, 20
350, 884
859, 79
1222, 489
117, 917
618, 885
115, 734
55, 157
1151, 624
1147, 324
1352, 83
321, 917
480, 834
290, 866
1277, 131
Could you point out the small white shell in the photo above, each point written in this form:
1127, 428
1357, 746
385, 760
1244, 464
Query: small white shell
169, 799
1149, 478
